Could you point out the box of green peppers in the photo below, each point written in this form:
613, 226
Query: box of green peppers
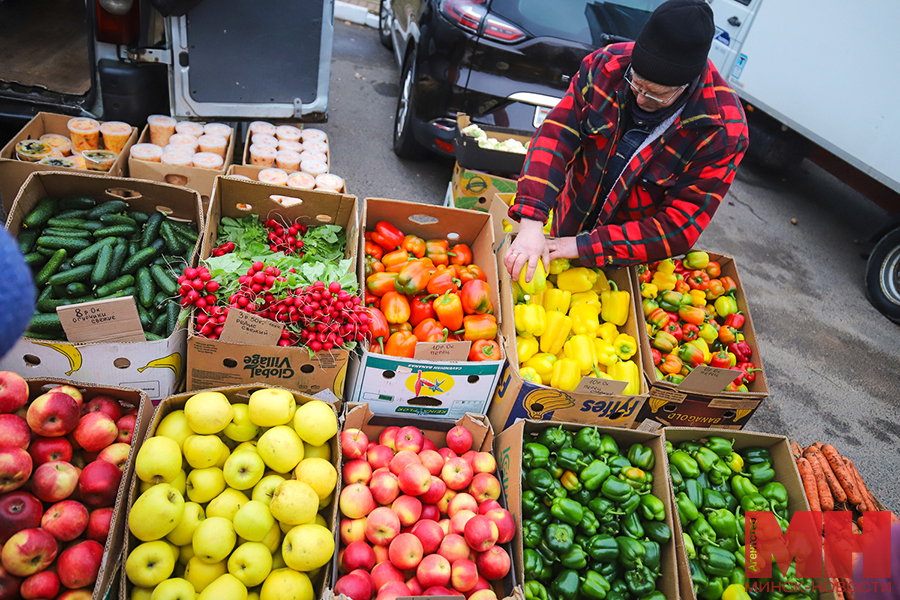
595, 512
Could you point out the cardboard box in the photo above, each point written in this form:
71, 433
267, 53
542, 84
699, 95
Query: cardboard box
14, 172
499, 209
594, 403
475, 189
470, 155
360, 416
212, 363
508, 451
154, 367
195, 178
236, 395
436, 388
245, 157
112, 550
698, 401
252, 172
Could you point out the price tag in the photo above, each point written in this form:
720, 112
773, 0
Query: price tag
444, 351
114, 320
594, 386
649, 425
708, 380
242, 327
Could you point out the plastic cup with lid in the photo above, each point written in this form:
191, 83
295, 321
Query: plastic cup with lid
301, 181
65, 162
288, 160
214, 143
85, 133
316, 146
33, 150
290, 145
208, 160
217, 129
262, 155
184, 139
288, 133
58, 142
115, 135
265, 139
176, 158
273, 176
313, 167
162, 127
189, 127
329, 181
313, 155
310, 134
262, 127
99, 160
146, 152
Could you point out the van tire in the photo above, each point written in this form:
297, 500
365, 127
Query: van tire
384, 25
883, 276
405, 143
773, 146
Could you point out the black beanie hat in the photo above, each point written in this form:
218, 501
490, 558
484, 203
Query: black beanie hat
673, 46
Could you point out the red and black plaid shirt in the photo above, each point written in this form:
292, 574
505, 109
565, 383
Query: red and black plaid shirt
668, 192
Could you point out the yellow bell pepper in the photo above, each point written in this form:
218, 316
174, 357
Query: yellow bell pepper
648, 290
554, 336
530, 319
549, 223
602, 284
558, 265
666, 266
526, 347
590, 297
529, 374
608, 332
580, 348
625, 345
585, 319
735, 591
542, 363
605, 352
599, 374
517, 293
701, 343
538, 281
627, 371
578, 279
549, 285
664, 281
566, 375
709, 332
614, 305
698, 298
557, 300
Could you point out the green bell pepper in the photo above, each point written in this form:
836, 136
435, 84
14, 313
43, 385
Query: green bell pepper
752, 502
738, 576
559, 537
720, 446
603, 509
617, 463
731, 501
716, 561
582, 496
594, 585
637, 478
677, 479
617, 585
756, 455
705, 458
603, 548
608, 446
587, 440
703, 480
740, 556
690, 446
651, 554
687, 510
543, 516
613, 595
689, 548
714, 589
701, 531
729, 544
571, 459
720, 473
616, 490
554, 468
698, 575
566, 510
593, 475
610, 570
532, 534
535, 590
640, 581
776, 494
546, 553
742, 486
539, 480
631, 526
742, 529
712, 500
589, 524
724, 523
654, 595
576, 558
685, 464
581, 540
641, 457
631, 552
652, 508
569, 480
557, 490
658, 531
694, 492
530, 503
553, 438
565, 585
535, 455
535, 567
630, 505
669, 448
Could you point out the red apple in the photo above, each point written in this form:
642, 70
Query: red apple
435, 492
388, 437
402, 459
493, 564
429, 445
381, 554
40, 585
116, 453
53, 414
430, 534
358, 555
78, 565
457, 474
408, 509
356, 501
409, 438
28, 552
98, 524
463, 575
105, 404
15, 468
484, 486
385, 572
72, 391
99, 484
382, 526
430, 512
125, 425
469, 457
506, 525
54, 481
434, 570
453, 547
447, 453
13, 392
480, 532
440, 590
415, 588
484, 462
95, 431
483, 594
459, 439
9, 585
79, 594
433, 461
357, 471
353, 443
461, 501
393, 590
353, 530
379, 456
405, 551
354, 586
459, 520
444, 503
481, 584
14, 432
414, 479
384, 486
18, 510
43, 450
65, 520
487, 506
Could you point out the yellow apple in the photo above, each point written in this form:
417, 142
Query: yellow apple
186, 554
226, 452
149, 564
323, 451
182, 534
205, 484
241, 428
158, 460
281, 448
175, 426
315, 422
213, 539
319, 473
208, 412
278, 560
286, 584
272, 541
251, 445
250, 563
225, 587
307, 547
156, 513
294, 502
270, 407
202, 451
251, 595
180, 482
139, 593
320, 520
263, 490
243, 469
253, 521
201, 574
174, 589
226, 504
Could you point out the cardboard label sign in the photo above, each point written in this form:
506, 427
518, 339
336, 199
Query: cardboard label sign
449, 351
242, 327
649, 425
600, 387
114, 320
709, 380
667, 395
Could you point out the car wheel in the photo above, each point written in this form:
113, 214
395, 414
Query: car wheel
883, 276
405, 144
384, 25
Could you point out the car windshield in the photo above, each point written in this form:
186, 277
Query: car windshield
595, 23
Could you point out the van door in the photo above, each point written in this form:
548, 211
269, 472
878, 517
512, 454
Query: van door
732, 19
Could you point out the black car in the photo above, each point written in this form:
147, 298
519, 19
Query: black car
504, 63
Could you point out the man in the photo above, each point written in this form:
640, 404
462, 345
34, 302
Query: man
637, 156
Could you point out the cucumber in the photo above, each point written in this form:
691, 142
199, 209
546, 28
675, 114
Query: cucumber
50, 269
116, 285
151, 229
67, 233
45, 323
184, 228
172, 310
70, 223
118, 220
66, 266
49, 305
159, 244
57, 291
41, 213
81, 273
166, 283
160, 299
92, 225
152, 337
45, 252
101, 268
76, 289
35, 259
73, 213
133, 247
144, 316
145, 287
159, 325
54, 336
107, 208
129, 291
55, 243
139, 259
118, 258
26, 239
116, 231
139, 217
77, 202
89, 254
171, 238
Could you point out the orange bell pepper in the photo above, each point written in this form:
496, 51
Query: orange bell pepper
373, 266
671, 364
420, 308
479, 327
476, 298
413, 278
395, 307
430, 331
437, 251
380, 284
379, 330
692, 314
387, 236
449, 311
460, 254
715, 289
471, 273
485, 350
402, 344
395, 327
414, 245
444, 279
373, 249
729, 284
713, 269
682, 286
395, 261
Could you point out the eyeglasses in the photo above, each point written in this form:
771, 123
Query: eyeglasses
637, 90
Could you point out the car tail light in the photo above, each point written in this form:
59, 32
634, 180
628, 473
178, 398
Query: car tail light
469, 14
122, 29
445, 146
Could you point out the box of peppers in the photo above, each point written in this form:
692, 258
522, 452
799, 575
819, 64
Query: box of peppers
431, 290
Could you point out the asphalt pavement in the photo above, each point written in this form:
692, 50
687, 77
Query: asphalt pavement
831, 360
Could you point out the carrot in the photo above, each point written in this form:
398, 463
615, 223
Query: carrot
855, 527
796, 450
818, 445
836, 490
844, 477
864, 505
849, 594
826, 500
809, 484
864, 490
838, 592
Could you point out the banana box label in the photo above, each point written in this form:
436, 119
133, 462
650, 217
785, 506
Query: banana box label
695, 410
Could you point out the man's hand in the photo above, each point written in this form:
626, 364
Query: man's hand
565, 247
529, 248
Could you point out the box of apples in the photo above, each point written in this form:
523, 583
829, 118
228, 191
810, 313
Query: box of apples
233, 497
422, 511
65, 460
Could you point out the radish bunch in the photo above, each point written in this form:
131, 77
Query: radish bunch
285, 240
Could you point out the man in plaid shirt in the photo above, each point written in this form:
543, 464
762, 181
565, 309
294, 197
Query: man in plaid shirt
637, 156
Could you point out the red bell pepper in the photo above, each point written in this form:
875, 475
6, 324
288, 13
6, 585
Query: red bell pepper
741, 350
723, 360
420, 308
729, 284
479, 327
735, 320
437, 251
374, 250
644, 274
402, 344
470, 273
484, 350
673, 317
461, 254
395, 261
395, 307
413, 278
476, 298
379, 331
380, 284
682, 286
372, 300
414, 245
430, 331
691, 356
387, 236
713, 269
689, 332
442, 280
698, 280
675, 330
679, 266
449, 310
657, 356
749, 370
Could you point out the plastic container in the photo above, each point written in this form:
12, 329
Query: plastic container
262, 127
115, 135
217, 129
316, 146
241, 177
290, 145
214, 143
99, 160
176, 158
313, 167
65, 162
301, 181
265, 139
185, 139
314, 134
33, 150
313, 155
288, 160
85, 134
177, 148
189, 127
58, 142
287, 133
330, 182
262, 155
55, 154
162, 127
273, 176
80, 163
146, 152
208, 160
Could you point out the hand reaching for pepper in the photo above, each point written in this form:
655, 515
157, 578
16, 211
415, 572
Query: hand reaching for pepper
529, 248
565, 247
